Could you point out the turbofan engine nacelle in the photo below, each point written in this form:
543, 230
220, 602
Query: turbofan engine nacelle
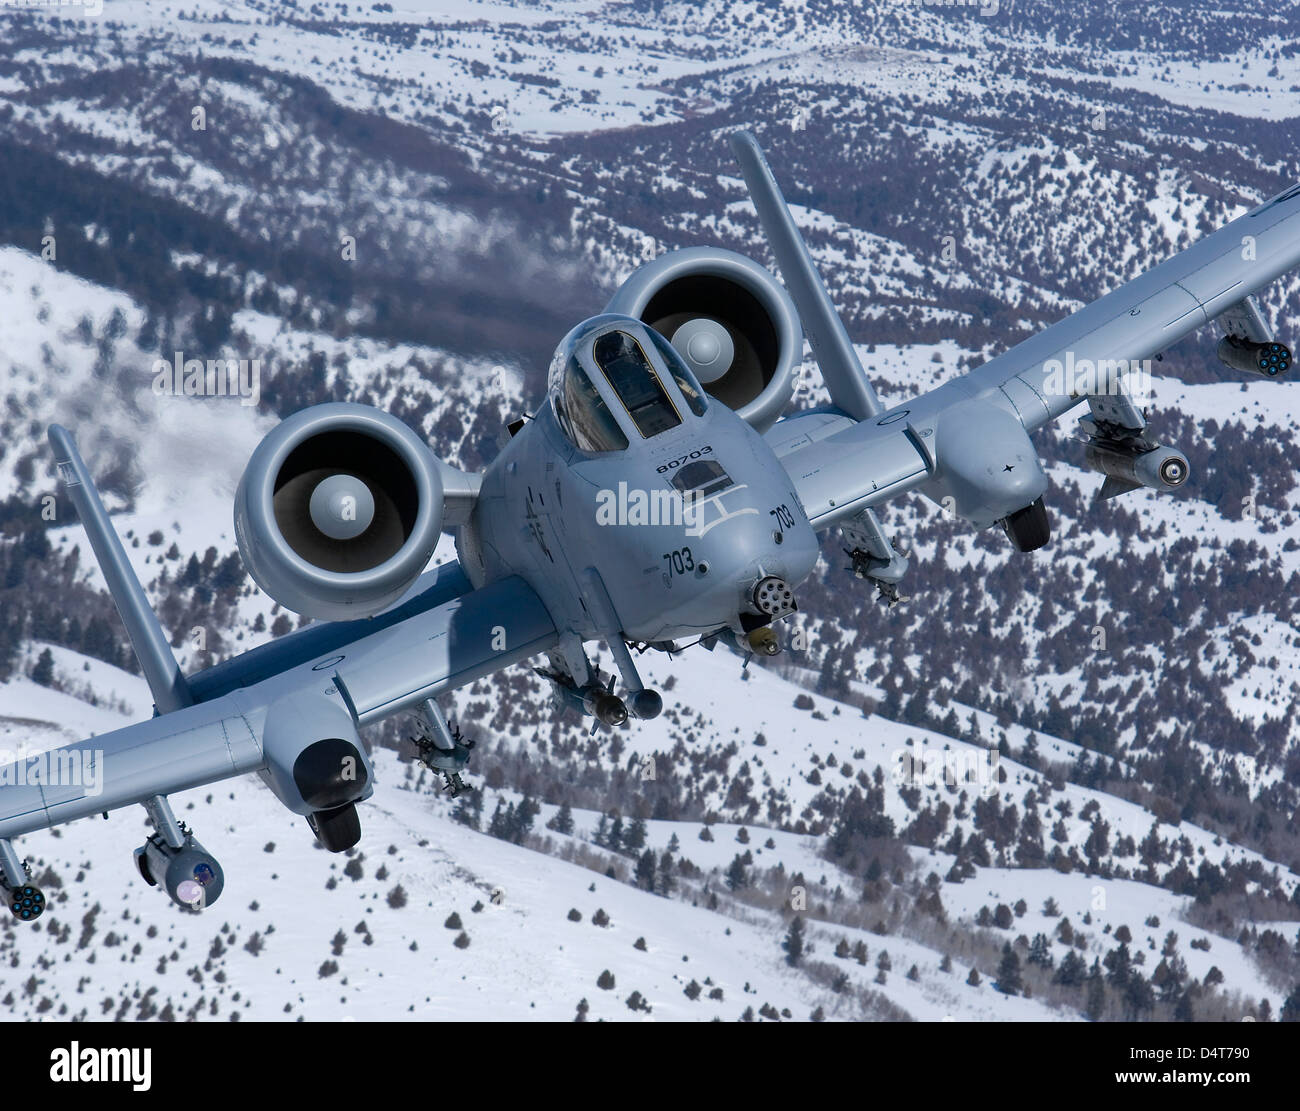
338, 511
189, 874
731, 321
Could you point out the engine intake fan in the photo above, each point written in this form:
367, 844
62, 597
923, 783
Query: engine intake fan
732, 322
338, 511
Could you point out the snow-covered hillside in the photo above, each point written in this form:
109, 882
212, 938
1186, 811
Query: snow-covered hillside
268, 949
1072, 754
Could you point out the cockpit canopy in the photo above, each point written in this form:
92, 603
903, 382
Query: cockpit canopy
613, 377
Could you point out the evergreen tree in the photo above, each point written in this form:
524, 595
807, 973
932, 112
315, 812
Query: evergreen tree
645, 870
1096, 992
601, 836
469, 809
1138, 996
1040, 952
562, 821
634, 838
1290, 1011
793, 944
43, 672
737, 874
615, 840
1073, 970
521, 823
1009, 981
1118, 966
666, 882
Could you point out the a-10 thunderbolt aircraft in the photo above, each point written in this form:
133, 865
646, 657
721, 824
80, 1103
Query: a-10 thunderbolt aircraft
658, 494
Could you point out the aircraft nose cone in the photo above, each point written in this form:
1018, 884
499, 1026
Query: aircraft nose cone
342, 507
706, 346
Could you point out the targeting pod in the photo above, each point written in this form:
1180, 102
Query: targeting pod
1269, 360
189, 874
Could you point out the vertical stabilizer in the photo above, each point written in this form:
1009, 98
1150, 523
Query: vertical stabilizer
850, 388
170, 691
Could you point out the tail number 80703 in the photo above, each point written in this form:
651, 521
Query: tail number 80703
698, 453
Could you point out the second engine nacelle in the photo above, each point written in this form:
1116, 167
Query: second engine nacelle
338, 511
731, 321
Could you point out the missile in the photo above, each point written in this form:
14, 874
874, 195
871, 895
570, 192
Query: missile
1128, 467
605, 707
1160, 468
593, 700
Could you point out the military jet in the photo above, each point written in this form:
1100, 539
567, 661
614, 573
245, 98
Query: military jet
660, 494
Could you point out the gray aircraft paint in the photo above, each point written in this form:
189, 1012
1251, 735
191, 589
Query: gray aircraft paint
538, 571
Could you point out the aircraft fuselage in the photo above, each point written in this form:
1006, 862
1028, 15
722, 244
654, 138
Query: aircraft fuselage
561, 519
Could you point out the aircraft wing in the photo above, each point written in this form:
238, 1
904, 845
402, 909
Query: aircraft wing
430, 644
840, 467
1150, 313
966, 444
172, 752
965, 440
